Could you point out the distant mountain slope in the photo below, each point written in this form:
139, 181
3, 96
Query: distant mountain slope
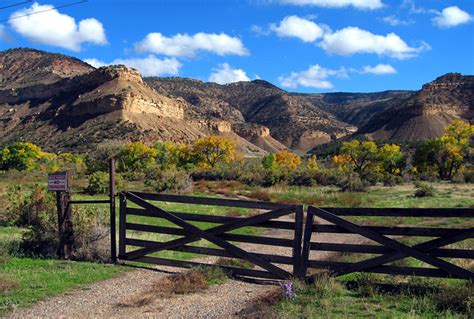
291, 119
24, 67
424, 114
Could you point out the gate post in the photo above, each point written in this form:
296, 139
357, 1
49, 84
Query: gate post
113, 239
298, 234
308, 231
122, 222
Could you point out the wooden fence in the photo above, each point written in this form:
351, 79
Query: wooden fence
382, 244
386, 242
218, 235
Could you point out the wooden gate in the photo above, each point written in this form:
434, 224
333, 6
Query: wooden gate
219, 235
389, 249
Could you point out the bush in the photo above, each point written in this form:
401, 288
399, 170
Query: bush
328, 176
302, 177
172, 181
392, 180
91, 235
352, 183
424, 190
99, 183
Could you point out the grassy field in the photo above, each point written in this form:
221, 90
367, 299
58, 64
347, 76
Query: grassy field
24, 281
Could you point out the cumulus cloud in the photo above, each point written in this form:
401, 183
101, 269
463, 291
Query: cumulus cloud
315, 76
451, 17
56, 29
352, 40
394, 21
149, 66
184, 45
379, 69
359, 4
226, 74
294, 26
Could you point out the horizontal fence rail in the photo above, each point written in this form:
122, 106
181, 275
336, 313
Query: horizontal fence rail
386, 242
219, 234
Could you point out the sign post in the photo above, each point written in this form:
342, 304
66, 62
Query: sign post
60, 183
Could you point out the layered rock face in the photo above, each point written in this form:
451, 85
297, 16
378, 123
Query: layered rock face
425, 114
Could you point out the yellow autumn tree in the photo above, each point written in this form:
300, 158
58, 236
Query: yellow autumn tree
312, 164
288, 159
446, 154
212, 150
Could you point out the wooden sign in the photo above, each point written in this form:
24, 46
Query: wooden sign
58, 182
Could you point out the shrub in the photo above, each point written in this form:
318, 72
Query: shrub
91, 234
99, 183
352, 183
303, 177
172, 181
328, 176
392, 180
424, 190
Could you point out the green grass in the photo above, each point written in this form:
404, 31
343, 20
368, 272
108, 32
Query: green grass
447, 195
39, 279
331, 298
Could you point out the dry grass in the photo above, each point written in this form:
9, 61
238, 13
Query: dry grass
262, 306
7, 284
260, 194
191, 281
226, 188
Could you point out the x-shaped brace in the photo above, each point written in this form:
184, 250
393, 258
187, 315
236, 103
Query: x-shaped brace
401, 250
210, 235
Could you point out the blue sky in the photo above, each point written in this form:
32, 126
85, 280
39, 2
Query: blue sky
299, 45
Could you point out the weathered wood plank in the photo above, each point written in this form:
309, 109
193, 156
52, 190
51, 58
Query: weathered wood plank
391, 230
210, 201
402, 212
391, 270
374, 249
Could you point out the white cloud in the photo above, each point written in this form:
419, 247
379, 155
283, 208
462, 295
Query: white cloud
394, 21
226, 74
379, 69
184, 45
294, 26
451, 17
315, 76
352, 40
56, 29
149, 66
359, 4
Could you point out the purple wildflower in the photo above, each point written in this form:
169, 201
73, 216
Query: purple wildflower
288, 289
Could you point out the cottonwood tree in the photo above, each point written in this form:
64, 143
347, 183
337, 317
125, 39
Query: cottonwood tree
212, 150
445, 155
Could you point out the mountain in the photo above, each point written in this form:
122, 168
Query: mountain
73, 105
62, 103
426, 113
291, 119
